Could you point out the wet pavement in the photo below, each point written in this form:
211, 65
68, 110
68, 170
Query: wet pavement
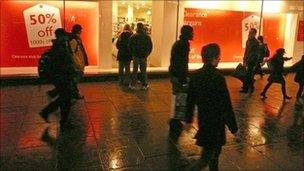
128, 130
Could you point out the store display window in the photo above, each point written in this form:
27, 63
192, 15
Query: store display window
130, 12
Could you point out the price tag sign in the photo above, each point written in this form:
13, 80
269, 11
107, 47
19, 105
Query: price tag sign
41, 21
252, 21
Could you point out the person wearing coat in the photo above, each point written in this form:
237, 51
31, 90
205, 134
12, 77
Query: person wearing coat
263, 53
277, 73
251, 60
299, 78
62, 73
178, 70
141, 46
80, 58
208, 91
124, 55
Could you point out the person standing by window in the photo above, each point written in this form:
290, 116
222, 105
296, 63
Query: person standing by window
124, 56
141, 46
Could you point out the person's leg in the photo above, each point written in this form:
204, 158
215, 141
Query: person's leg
203, 161
283, 89
135, 70
65, 97
76, 80
143, 71
127, 73
251, 78
51, 107
214, 158
300, 90
263, 94
259, 70
120, 72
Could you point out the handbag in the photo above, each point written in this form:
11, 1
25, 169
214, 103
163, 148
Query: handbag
240, 72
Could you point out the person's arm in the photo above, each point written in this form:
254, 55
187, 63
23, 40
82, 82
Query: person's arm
227, 106
150, 45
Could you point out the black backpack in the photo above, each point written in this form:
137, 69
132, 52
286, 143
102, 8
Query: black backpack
46, 65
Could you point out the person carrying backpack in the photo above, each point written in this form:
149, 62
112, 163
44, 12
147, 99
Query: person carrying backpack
63, 72
277, 71
79, 57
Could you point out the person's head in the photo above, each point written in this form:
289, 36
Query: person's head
77, 29
59, 33
261, 39
127, 27
211, 54
281, 51
252, 33
186, 32
140, 27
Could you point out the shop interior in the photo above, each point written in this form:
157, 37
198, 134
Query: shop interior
129, 12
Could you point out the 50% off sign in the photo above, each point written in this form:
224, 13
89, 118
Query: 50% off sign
41, 21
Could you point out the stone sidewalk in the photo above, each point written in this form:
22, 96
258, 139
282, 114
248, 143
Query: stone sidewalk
128, 130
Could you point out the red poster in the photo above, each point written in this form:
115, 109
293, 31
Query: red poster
227, 29
27, 29
301, 31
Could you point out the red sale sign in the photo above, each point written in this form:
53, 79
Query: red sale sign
27, 28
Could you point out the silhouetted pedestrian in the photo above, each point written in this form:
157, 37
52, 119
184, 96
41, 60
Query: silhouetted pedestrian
251, 59
263, 53
124, 56
62, 79
178, 70
208, 91
277, 71
80, 58
299, 78
141, 46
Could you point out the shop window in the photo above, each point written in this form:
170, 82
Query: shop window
129, 12
27, 28
225, 23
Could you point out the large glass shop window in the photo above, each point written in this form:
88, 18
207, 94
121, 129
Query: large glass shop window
129, 12
27, 28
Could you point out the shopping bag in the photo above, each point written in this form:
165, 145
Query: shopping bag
240, 72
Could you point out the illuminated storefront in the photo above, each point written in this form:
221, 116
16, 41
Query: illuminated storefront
27, 27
